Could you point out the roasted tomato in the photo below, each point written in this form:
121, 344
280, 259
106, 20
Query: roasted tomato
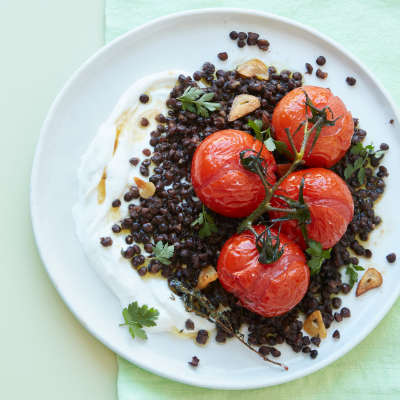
328, 199
266, 289
219, 179
332, 143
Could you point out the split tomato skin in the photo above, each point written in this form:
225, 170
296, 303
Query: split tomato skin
266, 289
329, 201
332, 143
219, 179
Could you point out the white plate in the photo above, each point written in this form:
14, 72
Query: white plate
185, 41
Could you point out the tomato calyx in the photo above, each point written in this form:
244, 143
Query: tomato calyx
269, 253
294, 209
302, 213
317, 115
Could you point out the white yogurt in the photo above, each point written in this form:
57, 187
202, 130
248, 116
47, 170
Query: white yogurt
94, 215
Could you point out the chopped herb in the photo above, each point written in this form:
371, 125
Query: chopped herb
138, 317
256, 125
199, 106
363, 152
209, 225
163, 253
351, 270
317, 256
269, 142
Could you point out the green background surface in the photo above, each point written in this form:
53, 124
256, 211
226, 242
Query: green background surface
45, 352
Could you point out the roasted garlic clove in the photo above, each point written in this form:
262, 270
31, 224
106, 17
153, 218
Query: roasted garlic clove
252, 68
146, 189
314, 325
242, 105
206, 276
371, 280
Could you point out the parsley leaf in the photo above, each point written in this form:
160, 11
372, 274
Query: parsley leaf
317, 256
199, 106
269, 142
351, 270
138, 317
209, 225
256, 125
363, 152
163, 253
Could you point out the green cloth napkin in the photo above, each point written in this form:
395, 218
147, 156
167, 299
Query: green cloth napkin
370, 29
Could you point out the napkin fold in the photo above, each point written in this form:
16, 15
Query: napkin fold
370, 29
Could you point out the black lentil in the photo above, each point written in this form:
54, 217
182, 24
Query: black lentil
252, 38
320, 74
195, 362
147, 152
128, 239
223, 56
144, 122
351, 81
242, 35
134, 161
189, 325
345, 312
309, 68
391, 257
321, 61
233, 35
116, 228
314, 354
336, 334
116, 203
241, 43
202, 337
106, 241
144, 98
263, 44
197, 75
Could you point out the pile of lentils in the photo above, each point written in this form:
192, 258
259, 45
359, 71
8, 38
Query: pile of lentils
167, 216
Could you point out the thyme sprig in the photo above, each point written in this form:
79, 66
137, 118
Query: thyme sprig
254, 162
195, 302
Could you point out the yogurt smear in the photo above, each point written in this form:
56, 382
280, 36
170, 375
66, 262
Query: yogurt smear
105, 174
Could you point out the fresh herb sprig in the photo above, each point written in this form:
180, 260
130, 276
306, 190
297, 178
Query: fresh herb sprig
351, 270
363, 152
195, 302
268, 141
209, 224
317, 256
137, 317
163, 253
199, 105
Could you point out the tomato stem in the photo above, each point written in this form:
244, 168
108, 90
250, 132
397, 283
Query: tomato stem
269, 192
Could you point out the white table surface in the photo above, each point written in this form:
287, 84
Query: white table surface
45, 352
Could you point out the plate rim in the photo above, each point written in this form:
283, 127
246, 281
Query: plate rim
35, 177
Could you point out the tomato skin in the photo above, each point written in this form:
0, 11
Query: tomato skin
219, 179
332, 143
330, 203
266, 289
